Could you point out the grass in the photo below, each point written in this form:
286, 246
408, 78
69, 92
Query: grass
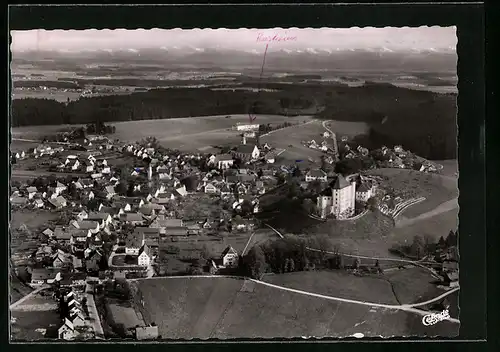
123, 313
347, 128
24, 325
412, 284
436, 226
219, 308
367, 235
294, 136
337, 283
410, 183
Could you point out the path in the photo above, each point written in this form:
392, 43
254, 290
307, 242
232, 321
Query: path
248, 243
442, 208
334, 137
94, 317
39, 141
404, 307
29, 295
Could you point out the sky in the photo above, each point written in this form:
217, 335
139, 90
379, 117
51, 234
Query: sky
391, 38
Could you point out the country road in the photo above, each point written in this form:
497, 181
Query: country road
334, 137
31, 294
404, 307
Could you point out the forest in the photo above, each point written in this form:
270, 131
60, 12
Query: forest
420, 121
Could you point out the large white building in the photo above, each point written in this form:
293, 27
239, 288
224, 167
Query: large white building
247, 126
338, 200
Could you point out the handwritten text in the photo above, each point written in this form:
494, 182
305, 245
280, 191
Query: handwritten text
275, 38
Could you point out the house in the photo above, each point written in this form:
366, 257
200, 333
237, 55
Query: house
364, 192
270, 158
211, 188
18, 200
82, 215
149, 235
239, 224
59, 259
144, 257
181, 191
58, 202
48, 232
133, 243
451, 278
76, 318
88, 225
41, 276
229, 257
38, 203
103, 219
316, 174
31, 192
225, 191
59, 188
110, 191
67, 331
223, 161
93, 260
133, 218
146, 332
246, 152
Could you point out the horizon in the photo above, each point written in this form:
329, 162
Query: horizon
389, 39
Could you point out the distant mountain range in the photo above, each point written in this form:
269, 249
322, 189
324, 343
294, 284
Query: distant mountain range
372, 58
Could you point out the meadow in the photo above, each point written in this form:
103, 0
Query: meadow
231, 308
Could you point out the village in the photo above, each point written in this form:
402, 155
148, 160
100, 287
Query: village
129, 211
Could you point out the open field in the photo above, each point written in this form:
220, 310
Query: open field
412, 284
33, 219
368, 235
34, 325
450, 167
436, 226
294, 136
435, 188
219, 308
122, 313
347, 128
337, 283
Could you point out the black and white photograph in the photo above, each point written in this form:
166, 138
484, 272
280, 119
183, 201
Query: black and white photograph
177, 184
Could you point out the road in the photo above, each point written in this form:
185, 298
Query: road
94, 317
334, 137
29, 295
39, 141
404, 307
248, 243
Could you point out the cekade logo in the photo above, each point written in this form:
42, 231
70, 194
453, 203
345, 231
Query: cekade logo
434, 318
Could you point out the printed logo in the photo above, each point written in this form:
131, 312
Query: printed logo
434, 318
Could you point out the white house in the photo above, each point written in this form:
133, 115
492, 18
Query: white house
144, 257
229, 257
67, 330
223, 161
316, 174
364, 192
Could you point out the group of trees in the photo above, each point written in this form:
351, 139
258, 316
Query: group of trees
426, 245
290, 254
266, 128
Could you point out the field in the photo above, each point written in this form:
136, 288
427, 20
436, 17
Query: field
435, 226
435, 188
32, 219
31, 326
122, 313
368, 235
294, 136
223, 308
347, 128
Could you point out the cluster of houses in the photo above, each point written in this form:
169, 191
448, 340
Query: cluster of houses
74, 322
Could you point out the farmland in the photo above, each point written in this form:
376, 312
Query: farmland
435, 188
230, 308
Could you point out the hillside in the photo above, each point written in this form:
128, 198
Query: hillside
423, 122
